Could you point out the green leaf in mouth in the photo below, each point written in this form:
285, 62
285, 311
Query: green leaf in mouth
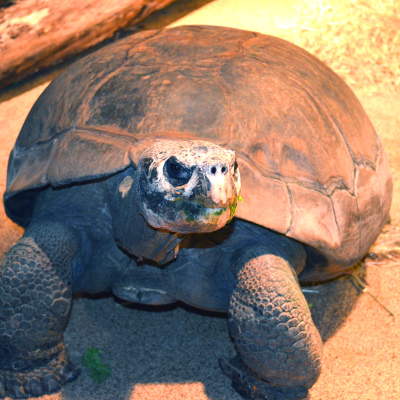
220, 211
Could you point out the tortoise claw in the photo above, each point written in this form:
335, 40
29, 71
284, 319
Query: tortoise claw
50, 384
252, 388
69, 373
34, 387
16, 389
39, 380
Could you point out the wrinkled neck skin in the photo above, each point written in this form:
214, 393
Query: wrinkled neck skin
131, 231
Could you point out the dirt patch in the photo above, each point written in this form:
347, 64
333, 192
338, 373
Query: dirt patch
358, 39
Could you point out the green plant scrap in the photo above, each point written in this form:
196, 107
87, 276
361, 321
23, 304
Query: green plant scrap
98, 371
220, 211
233, 208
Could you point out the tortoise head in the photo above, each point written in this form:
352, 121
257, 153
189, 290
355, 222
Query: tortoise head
187, 186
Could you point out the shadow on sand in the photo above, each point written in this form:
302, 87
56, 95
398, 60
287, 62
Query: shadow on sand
172, 344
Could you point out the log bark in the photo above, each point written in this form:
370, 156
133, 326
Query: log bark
36, 34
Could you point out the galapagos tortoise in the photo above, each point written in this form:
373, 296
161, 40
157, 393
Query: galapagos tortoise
126, 176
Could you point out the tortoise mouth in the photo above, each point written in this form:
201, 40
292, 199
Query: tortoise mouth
190, 216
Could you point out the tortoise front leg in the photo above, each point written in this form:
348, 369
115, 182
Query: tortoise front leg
280, 348
35, 303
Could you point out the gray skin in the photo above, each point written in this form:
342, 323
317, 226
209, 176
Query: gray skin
75, 243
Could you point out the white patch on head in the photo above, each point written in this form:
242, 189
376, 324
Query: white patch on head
191, 152
125, 186
191, 184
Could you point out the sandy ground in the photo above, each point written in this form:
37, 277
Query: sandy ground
167, 353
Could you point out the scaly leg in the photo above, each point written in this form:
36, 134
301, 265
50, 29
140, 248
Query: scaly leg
280, 349
35, 303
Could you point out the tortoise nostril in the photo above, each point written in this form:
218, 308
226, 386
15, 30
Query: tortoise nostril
213, 170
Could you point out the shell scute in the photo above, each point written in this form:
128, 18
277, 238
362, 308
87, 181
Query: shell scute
292, 136
313, 218
323, 84
270, 211
167, 101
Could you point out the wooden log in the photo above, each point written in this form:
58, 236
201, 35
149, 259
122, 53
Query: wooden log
35, 34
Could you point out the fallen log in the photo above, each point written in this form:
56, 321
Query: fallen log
36, 34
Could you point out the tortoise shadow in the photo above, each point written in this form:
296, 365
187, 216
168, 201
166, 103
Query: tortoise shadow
147, 346
332, 303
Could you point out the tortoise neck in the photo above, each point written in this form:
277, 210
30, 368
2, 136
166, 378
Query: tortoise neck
131, 231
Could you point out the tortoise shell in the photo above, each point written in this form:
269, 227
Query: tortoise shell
312, 166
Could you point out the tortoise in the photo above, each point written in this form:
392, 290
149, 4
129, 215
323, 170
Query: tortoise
127, 174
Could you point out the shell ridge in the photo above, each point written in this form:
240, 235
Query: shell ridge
337, 225
106, 132
115, 135
291, 207
40, 143
327, 191
359, 217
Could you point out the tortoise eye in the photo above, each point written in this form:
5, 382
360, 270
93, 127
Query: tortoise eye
176, 173
175, 169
